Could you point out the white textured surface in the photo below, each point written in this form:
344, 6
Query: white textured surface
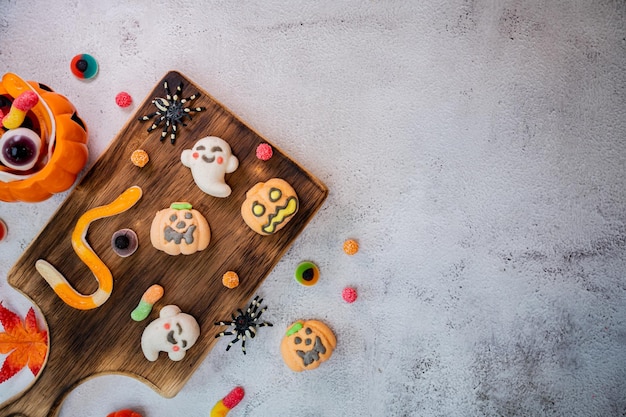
474, 148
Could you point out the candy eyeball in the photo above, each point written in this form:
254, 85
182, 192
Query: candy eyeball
307, 274
84, 66
124, 242
19, 149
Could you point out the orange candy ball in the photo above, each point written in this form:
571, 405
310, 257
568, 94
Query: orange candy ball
350, 246
230, 279
123, 99
139, 158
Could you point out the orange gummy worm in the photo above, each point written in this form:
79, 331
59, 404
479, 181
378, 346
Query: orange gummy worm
59, 283
152, 294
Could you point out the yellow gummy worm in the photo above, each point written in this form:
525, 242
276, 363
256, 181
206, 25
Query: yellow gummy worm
59, 283
219, 410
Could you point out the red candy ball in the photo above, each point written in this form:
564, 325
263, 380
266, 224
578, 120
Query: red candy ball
264, 152
123, 99
349, 295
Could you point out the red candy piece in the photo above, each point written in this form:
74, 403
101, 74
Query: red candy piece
264, 152
26, 100
124, 413
349, 295
3, 230
234, 397
123, 99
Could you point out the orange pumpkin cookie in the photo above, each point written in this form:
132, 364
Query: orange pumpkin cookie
180, 229
269, 206
307, 344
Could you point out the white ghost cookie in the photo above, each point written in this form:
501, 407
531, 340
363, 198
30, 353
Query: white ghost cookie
210, 160
173, 332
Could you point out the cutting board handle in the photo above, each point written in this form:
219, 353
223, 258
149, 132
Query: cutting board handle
43, 397
45, 401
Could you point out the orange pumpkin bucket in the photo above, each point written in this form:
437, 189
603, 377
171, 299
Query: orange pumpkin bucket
62, 143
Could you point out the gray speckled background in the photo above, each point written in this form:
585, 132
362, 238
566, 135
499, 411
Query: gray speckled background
476, 149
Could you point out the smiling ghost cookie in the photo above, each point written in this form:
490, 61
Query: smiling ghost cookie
269, 206
180, 229
210, 160
173, 332
307, 344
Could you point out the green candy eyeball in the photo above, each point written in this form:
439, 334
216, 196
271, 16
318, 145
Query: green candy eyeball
307, 274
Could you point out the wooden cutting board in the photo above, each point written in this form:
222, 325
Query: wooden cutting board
105, 340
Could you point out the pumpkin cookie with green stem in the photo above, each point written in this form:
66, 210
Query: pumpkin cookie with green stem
307, 344
180, 229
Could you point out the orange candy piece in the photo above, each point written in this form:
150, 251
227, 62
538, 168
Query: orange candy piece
139, 158
230, 279
350, 246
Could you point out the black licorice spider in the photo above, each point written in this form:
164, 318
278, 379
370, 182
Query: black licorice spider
171, 111
245, 324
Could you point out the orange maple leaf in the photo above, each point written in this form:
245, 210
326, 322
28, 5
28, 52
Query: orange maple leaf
24, 343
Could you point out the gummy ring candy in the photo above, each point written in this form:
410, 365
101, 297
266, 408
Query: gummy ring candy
307, 274
84, 66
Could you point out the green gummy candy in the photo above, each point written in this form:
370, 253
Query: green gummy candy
141, 311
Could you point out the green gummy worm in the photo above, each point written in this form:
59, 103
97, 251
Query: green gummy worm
141, 311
